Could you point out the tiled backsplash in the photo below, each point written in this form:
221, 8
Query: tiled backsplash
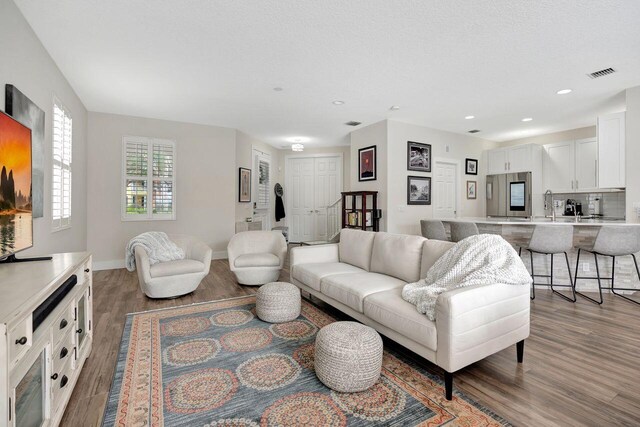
612, 205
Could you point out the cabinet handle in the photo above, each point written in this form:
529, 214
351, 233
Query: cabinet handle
79, 331
86, 270
63, 352
63, 323
64, 381
54, 377
22, 341
577, 184
596, 173
572, 184
509, 165
505, 165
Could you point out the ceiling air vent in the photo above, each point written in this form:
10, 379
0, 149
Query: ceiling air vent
353, 123
474, 131
601, 73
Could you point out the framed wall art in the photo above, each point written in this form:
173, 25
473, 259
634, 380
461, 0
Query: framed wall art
367, 167
244, 185
418, 157
472, 190
418, 190
471, 166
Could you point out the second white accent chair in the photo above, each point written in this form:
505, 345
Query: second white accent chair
256, 257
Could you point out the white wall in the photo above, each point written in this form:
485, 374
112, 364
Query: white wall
550, 138
205, 179
403, 218
375, 134
25, 63
633, 152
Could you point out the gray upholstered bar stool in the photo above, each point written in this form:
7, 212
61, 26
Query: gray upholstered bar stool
433, 229
612, 241
462, 230
551, 240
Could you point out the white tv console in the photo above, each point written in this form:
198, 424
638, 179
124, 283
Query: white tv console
39, 366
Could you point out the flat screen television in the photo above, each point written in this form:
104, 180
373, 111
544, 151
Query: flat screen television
16, 222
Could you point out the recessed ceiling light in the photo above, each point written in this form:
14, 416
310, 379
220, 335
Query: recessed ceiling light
298, 139
527, 119
338, 102
469, 117
394, 107
297, 147
563, 91
278, 89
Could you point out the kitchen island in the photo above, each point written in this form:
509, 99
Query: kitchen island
517, 231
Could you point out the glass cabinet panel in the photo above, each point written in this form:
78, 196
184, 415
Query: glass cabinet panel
82, 330
29, 404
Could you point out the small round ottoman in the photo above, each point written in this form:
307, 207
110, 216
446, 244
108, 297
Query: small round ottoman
278, 302
348, 356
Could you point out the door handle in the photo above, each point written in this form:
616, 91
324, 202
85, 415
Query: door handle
505, 165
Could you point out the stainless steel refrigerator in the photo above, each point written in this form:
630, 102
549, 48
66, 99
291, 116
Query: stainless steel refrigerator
509, 195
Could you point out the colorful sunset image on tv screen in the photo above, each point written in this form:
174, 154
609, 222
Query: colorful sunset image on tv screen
15, 186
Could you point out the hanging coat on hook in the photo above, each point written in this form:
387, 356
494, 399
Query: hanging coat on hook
279, 204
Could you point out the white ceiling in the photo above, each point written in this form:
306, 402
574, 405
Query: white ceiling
217, 61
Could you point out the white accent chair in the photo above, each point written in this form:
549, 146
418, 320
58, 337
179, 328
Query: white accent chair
256, 257
174, 278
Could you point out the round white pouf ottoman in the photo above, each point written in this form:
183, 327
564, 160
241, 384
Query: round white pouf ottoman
348, 356
278, 302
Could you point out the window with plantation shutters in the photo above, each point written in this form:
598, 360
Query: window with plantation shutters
61, 167
263, 186
148, 182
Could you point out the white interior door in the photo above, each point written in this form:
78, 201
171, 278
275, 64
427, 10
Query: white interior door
301, 199
328, 183
445, 190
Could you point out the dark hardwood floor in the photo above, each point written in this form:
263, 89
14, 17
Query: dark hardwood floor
581, 363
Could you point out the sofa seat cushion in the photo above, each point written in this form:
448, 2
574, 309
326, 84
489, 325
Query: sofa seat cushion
351, 289
312, 274
173, 268
257, 260
390, 310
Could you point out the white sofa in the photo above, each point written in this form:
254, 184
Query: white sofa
364, 274
256, 257
174, 278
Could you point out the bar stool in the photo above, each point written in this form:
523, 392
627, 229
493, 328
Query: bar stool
612, 241
462, 230
551, 240
432, 229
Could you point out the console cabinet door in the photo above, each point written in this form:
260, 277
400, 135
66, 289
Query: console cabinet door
29, 399
83, 322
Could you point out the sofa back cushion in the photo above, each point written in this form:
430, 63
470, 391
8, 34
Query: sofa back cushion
397, 255
432, 250
355, 247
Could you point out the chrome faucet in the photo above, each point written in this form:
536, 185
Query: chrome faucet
549, 193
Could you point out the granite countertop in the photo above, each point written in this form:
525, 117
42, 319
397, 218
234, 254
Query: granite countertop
540, 220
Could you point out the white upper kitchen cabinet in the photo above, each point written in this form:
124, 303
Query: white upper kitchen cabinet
558, 167
519, 158
497, 161
586, 164
611, 150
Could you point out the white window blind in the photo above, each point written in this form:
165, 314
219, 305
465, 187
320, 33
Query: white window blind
263, 187
148, 179
61, 171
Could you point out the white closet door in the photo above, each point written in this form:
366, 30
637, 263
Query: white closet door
328, 183
444, 190
301, 191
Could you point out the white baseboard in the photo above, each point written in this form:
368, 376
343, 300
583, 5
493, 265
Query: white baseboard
119, 263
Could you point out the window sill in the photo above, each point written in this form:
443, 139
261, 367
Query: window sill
57, 229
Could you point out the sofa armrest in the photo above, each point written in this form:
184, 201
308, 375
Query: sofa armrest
202, 252
477, 321
314, 254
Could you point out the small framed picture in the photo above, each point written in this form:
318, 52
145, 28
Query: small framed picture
367, 167
471, 166
472, 187
244, 186
418, 190
418, 157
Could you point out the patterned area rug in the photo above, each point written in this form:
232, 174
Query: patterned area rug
217, 364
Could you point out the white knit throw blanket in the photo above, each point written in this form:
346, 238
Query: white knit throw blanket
158, 247
484, 259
